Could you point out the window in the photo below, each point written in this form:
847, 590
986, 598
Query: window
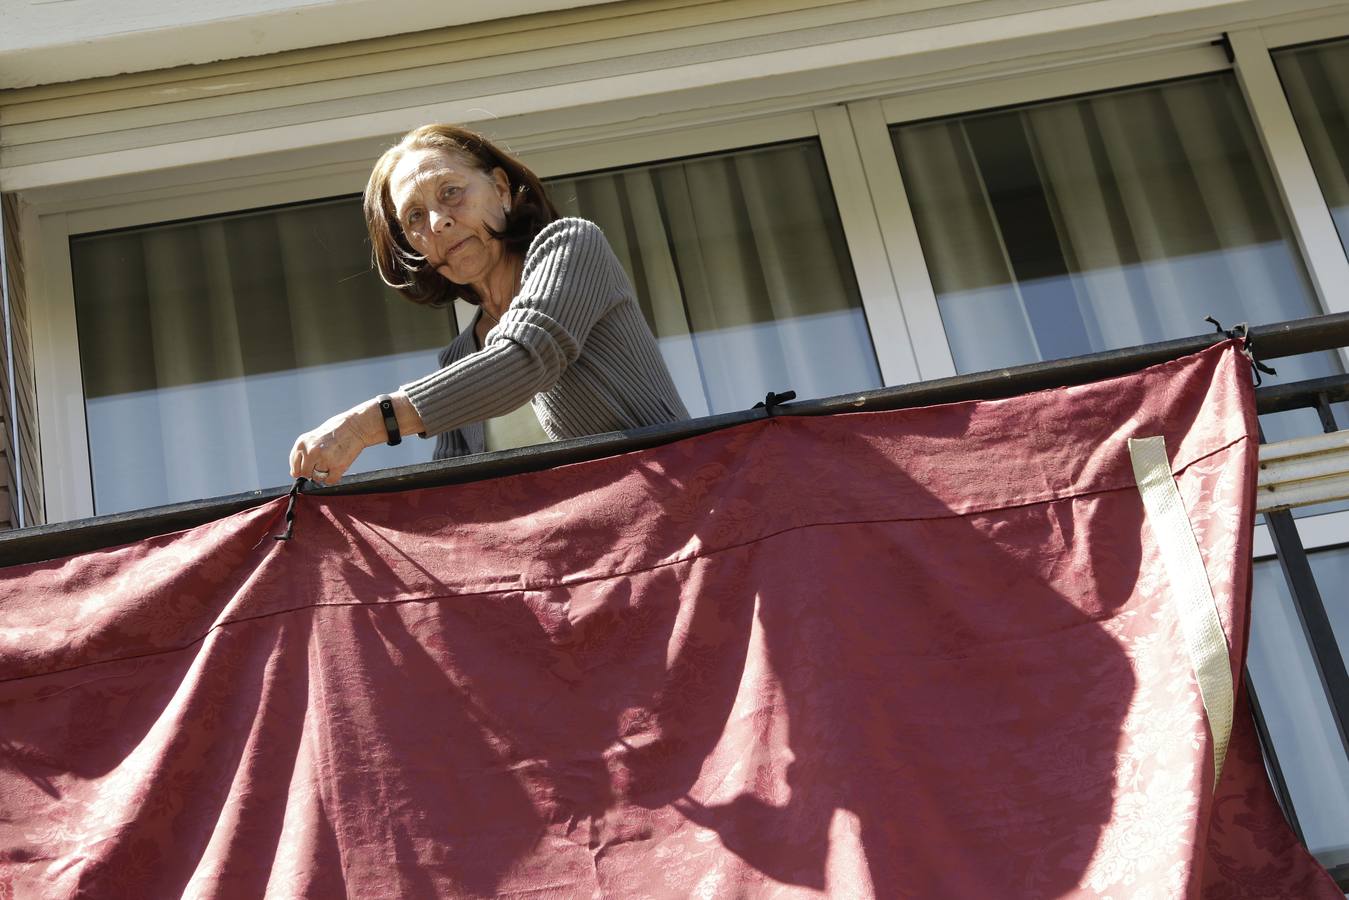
206, 347
1316, 80
1088, 224
740, 264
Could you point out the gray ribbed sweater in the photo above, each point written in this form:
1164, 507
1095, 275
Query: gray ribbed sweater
573, 340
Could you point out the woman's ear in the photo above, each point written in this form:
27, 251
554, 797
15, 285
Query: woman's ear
502, 182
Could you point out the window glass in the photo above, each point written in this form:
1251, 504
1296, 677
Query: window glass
1331, 568
1316, 80
206, 347
1095, 223
1294, 704
740, 264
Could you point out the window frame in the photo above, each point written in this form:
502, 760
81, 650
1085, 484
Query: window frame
1252, 63
1299, 189
1037, 87
67, 474
875, 117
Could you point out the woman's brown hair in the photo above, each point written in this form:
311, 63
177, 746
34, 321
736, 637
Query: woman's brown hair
405, 270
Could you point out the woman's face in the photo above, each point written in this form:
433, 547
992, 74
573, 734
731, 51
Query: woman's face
445, 205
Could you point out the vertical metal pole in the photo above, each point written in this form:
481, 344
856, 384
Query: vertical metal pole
1326, 413
1272, 767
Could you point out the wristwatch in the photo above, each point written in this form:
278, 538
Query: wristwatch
390, 420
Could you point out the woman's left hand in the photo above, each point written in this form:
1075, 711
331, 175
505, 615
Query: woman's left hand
325, 453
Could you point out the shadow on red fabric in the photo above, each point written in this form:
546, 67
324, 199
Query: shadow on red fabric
930, 653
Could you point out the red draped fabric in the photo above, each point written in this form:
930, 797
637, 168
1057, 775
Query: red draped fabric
930, 653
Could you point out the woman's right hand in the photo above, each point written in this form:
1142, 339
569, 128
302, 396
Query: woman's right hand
325, 453
328, 451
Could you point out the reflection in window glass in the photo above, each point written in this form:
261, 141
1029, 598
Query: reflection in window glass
1316, 80
207, 346
740, 265
1294, 704
1090, 224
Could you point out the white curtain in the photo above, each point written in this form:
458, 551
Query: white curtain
740, 266
1160, 210
207, 347
1161, 205
1316, 80
978, 294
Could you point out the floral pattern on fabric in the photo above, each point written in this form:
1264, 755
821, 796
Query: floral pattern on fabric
925, 653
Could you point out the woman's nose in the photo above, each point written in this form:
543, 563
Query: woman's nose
440, 220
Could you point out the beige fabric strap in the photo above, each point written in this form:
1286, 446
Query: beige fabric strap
1195, 606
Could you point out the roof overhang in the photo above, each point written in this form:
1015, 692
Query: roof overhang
48, 43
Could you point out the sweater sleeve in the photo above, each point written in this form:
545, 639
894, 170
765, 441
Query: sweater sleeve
571, 278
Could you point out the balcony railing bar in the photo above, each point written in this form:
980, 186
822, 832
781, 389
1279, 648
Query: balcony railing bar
1270, 341
1323, 409
1314, 393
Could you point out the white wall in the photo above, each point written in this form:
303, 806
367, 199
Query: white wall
44, 43
578, 70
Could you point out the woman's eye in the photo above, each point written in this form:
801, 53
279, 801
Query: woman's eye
449, 191
414, 218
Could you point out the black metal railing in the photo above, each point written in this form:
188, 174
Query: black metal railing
1275, 341
1316, 394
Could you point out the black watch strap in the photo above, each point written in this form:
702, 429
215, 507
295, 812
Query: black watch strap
390, 420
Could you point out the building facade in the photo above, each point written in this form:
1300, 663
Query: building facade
821, 196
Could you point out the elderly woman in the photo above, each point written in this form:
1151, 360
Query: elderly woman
452, 215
